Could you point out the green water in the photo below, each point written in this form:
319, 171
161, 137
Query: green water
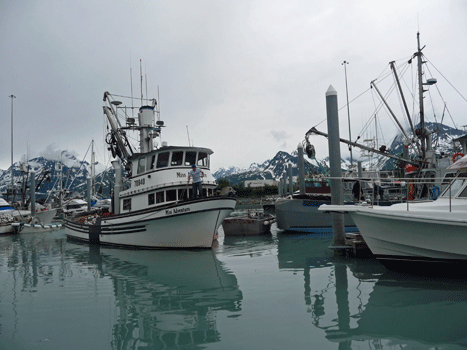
278, 291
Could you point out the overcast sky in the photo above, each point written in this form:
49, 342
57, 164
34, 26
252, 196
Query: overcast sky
248, 78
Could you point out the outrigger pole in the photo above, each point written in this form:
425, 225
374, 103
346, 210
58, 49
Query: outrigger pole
313, 130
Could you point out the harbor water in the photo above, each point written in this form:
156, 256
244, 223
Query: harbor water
274, 291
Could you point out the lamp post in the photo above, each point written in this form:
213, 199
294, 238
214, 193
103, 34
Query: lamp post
12, 97
345, 63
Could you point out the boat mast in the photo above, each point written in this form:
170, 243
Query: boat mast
12, 97
93, 168
345, 63
423, 135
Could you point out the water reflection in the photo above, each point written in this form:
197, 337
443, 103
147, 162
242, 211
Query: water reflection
95, 297
361, 301
165, 299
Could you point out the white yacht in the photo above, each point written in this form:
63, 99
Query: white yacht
156, 209
424, 236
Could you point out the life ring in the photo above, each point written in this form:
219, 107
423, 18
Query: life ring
457, 156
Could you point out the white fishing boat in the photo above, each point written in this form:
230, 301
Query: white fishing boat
158, 208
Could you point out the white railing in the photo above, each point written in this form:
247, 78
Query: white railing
384, 191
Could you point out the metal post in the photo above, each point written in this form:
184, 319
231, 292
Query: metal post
118, 185
289, 168
33, 193
284, 185
88, 192
301, 169
12, 97
360, 170
345, 63
335, 165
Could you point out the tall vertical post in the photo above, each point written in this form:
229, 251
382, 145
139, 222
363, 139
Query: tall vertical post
88, 192
335, 165
289, 168
12, 97
284, 185
301, 169
33, 193
118, 185
345, 63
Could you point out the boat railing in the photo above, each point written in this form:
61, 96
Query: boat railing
167, 184
387, 191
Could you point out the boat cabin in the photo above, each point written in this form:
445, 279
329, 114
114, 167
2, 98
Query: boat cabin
160, 177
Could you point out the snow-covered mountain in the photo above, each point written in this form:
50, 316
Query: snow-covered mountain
274, 168
75, 171
74, 175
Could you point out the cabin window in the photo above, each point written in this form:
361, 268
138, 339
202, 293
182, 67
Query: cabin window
190, 158
160, 197
177, 158
454, 188
182, 194
151, 199
203, 159
463, 194
163, 160
127, 204
141, 165
151, 161
171, 195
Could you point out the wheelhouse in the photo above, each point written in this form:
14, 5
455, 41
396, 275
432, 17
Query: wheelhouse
160, 177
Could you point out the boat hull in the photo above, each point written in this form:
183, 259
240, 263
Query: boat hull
246, 226
303, 215
190, 224
427, 238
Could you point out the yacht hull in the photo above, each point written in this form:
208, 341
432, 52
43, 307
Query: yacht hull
190, 224
427, 238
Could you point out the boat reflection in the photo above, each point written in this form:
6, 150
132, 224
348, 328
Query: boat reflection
164, 299
429, 312
361, 301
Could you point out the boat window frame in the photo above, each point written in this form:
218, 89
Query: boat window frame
151, 198
163, 165
460, 182
192, 160
160, 197
202, 161
151, 162
180, 161
173, 195
141, 167
126, 204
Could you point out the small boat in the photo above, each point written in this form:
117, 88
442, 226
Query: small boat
250, 224
74, 207
155, 207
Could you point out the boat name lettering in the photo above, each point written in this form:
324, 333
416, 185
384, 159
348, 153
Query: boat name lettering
179, 174
176, 210
139, 182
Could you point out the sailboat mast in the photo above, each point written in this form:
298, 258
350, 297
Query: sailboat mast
12, 97
423, 136
93, 168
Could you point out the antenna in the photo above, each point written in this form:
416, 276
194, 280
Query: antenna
188, 135
158, 105
146, 78
141, 76
131, 82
